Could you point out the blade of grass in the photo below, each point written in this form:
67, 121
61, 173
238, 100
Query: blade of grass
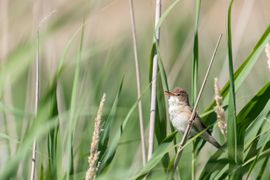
241, 73
161, 150
105, 135
161, 119
195, 64
245, 165
52, 140
251, 168
263, 154
165, 146
195, 60
111, 150
39, 128
249, 113
262, 172
66, 50
73, 116
245, 117
239, 76
232, 127
22, 55
40, 131
166, 13
213, 164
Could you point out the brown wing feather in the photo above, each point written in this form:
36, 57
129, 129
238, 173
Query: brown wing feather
199, 126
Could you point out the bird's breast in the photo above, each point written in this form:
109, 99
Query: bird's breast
179, 117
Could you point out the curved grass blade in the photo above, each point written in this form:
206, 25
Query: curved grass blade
40, 128
111, 150
104, 139
52, 139
245, 117
161, 118
265, 153
249, 113
233, 151
262, 173
195, 60
23, 55
162, 150
239, 76
10, 168
241, 73
194, 81
73, 119
166, 13
158, 154
251, 168
247, 163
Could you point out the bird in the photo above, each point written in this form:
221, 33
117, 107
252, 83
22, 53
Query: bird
180, 113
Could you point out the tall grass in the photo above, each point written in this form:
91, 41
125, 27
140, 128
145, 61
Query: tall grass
97, 56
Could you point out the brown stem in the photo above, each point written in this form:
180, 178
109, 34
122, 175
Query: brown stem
138, 80
192, 117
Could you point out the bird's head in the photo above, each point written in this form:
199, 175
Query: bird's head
178, 94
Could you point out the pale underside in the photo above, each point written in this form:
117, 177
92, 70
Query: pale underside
180, 113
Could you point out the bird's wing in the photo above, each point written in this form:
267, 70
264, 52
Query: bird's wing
197, 123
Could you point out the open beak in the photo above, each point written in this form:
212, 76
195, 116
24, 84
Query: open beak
168, 93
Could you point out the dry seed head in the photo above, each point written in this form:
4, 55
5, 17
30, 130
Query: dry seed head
222, 124
94, 153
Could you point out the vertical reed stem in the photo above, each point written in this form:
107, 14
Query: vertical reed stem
37, 87
138, 80
154, 83
37, 91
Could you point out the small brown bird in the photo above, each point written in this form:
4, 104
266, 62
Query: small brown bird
180, 112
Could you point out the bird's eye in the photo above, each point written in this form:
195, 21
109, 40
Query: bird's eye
178, 94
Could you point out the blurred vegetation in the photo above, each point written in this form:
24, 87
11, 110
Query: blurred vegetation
77, 68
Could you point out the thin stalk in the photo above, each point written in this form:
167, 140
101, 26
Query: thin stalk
154, 84
138, 80
37, 95
37, 91
187, 131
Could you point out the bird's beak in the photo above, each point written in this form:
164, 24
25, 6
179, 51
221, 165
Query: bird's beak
168, 93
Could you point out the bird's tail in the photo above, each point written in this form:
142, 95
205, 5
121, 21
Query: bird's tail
206, 136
